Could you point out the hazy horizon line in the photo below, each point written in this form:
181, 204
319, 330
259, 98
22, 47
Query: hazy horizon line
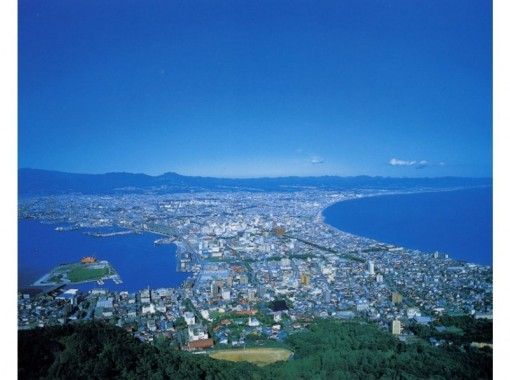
253, 177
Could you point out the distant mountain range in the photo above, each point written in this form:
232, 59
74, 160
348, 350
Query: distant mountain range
47, 182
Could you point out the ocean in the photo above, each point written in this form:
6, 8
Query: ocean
458, 222
139, 262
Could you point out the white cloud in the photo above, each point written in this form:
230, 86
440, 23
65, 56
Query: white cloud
316, 160
417, 164
397, 162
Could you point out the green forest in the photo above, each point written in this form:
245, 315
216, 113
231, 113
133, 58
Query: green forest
328, 349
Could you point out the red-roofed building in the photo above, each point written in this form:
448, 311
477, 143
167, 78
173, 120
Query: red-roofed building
201, 344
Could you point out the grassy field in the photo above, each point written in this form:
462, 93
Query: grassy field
258, 356
77, 273
83, 273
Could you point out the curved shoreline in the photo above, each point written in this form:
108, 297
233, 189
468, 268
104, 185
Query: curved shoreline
323, 219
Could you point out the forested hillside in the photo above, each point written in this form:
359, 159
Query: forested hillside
328, 350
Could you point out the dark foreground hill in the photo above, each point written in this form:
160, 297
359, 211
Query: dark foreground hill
328, 350
44, 182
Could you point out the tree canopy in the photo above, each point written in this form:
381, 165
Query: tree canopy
329, 349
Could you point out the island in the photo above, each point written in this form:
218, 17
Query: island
89, 269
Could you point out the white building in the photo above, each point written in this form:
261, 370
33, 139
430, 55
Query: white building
189, 318
69, 295
148, 309
145, 296
225, 294
396, 327
371, 267
161, 308
197, 332
205, 315
413, 312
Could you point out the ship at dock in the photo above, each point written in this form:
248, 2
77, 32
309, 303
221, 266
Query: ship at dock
164, 241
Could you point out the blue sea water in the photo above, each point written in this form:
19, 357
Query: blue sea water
139, 262
455, 222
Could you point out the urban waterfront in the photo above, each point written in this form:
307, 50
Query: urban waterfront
458, 222
258, 267
416, 221
139, 261
263, 190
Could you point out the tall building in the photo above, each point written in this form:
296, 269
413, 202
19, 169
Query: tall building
216, 288
252, 294
371, 267
225, 294
396, 327
261, 291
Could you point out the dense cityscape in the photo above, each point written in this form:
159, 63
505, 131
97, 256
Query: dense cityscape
254, 190
261, 267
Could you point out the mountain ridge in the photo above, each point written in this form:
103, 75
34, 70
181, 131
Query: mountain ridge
46, 182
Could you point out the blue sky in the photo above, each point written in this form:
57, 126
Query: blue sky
257, 88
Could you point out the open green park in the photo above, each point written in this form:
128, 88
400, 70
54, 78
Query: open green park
77, 273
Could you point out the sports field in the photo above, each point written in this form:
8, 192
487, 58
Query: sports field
258, 356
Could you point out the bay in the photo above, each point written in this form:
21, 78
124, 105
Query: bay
458, 222
139, 262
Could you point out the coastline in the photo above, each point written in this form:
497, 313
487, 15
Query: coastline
321, 217
171, 249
